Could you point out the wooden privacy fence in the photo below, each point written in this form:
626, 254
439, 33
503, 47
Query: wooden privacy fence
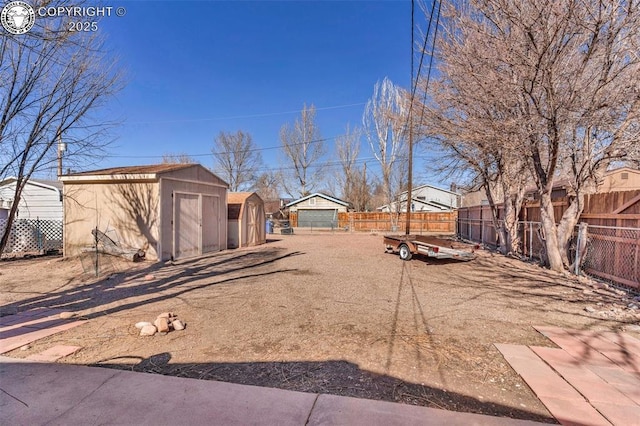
613, 233
421, 222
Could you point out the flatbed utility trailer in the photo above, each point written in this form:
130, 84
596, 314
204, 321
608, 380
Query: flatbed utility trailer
408, 245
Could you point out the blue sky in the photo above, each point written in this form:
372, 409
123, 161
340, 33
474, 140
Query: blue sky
195, 68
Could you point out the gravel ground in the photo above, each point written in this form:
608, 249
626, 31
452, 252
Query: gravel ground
322, 312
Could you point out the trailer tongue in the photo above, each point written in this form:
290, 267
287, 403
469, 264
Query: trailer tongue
408, 245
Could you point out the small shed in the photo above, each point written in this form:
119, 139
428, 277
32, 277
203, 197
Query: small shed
246, 220
317, 210
171, 211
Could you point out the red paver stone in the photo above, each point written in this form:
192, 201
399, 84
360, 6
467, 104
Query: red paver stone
15, 342
625, 359
626, 341
560, 398
538, 375
631, 391
54, 353
26, 327
27, 316
574, 413
589, 384
37, 324
574, 346
619, 415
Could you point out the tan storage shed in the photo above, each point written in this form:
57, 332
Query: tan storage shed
246, 220
172, 211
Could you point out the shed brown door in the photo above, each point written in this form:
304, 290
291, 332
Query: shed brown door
186, 225
210, 223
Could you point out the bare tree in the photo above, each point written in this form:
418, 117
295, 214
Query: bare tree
237, 159
569, 71
477, 132
51, 82
347, 149
385, 126
267, 186
180, 158
354, 184
303, 150
360, 196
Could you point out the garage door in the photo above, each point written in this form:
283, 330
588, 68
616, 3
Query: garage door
317, 218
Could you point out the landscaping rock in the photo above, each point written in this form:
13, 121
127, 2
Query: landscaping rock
67, 315
589, 309
177, 325
25, 348
148, 330
141, 324
149, 277
162, 324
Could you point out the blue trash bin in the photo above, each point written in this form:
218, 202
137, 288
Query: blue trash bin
269, 227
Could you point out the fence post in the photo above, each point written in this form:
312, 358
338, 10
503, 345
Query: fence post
580, 246
530, 240
39, 234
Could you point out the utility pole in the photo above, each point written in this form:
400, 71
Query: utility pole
410, 175
407, 229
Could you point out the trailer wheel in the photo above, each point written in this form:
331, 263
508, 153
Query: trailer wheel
405, 253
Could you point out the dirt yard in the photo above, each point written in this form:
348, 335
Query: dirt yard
327, 313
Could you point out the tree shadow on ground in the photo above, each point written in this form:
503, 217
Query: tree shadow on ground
335, 377
517, 286
157, 283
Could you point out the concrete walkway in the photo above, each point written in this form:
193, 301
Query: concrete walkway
33, 393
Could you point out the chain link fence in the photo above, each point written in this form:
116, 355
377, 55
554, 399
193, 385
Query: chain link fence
610, 253
32, 236
613, 253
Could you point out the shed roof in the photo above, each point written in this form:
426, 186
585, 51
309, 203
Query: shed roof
134, 170
235, 203
150, 172
238, 197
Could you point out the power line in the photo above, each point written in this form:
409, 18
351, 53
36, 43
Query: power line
229, 152
433, 47
237, 117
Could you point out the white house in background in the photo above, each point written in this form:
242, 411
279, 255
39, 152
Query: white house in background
40, 199
426, 198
